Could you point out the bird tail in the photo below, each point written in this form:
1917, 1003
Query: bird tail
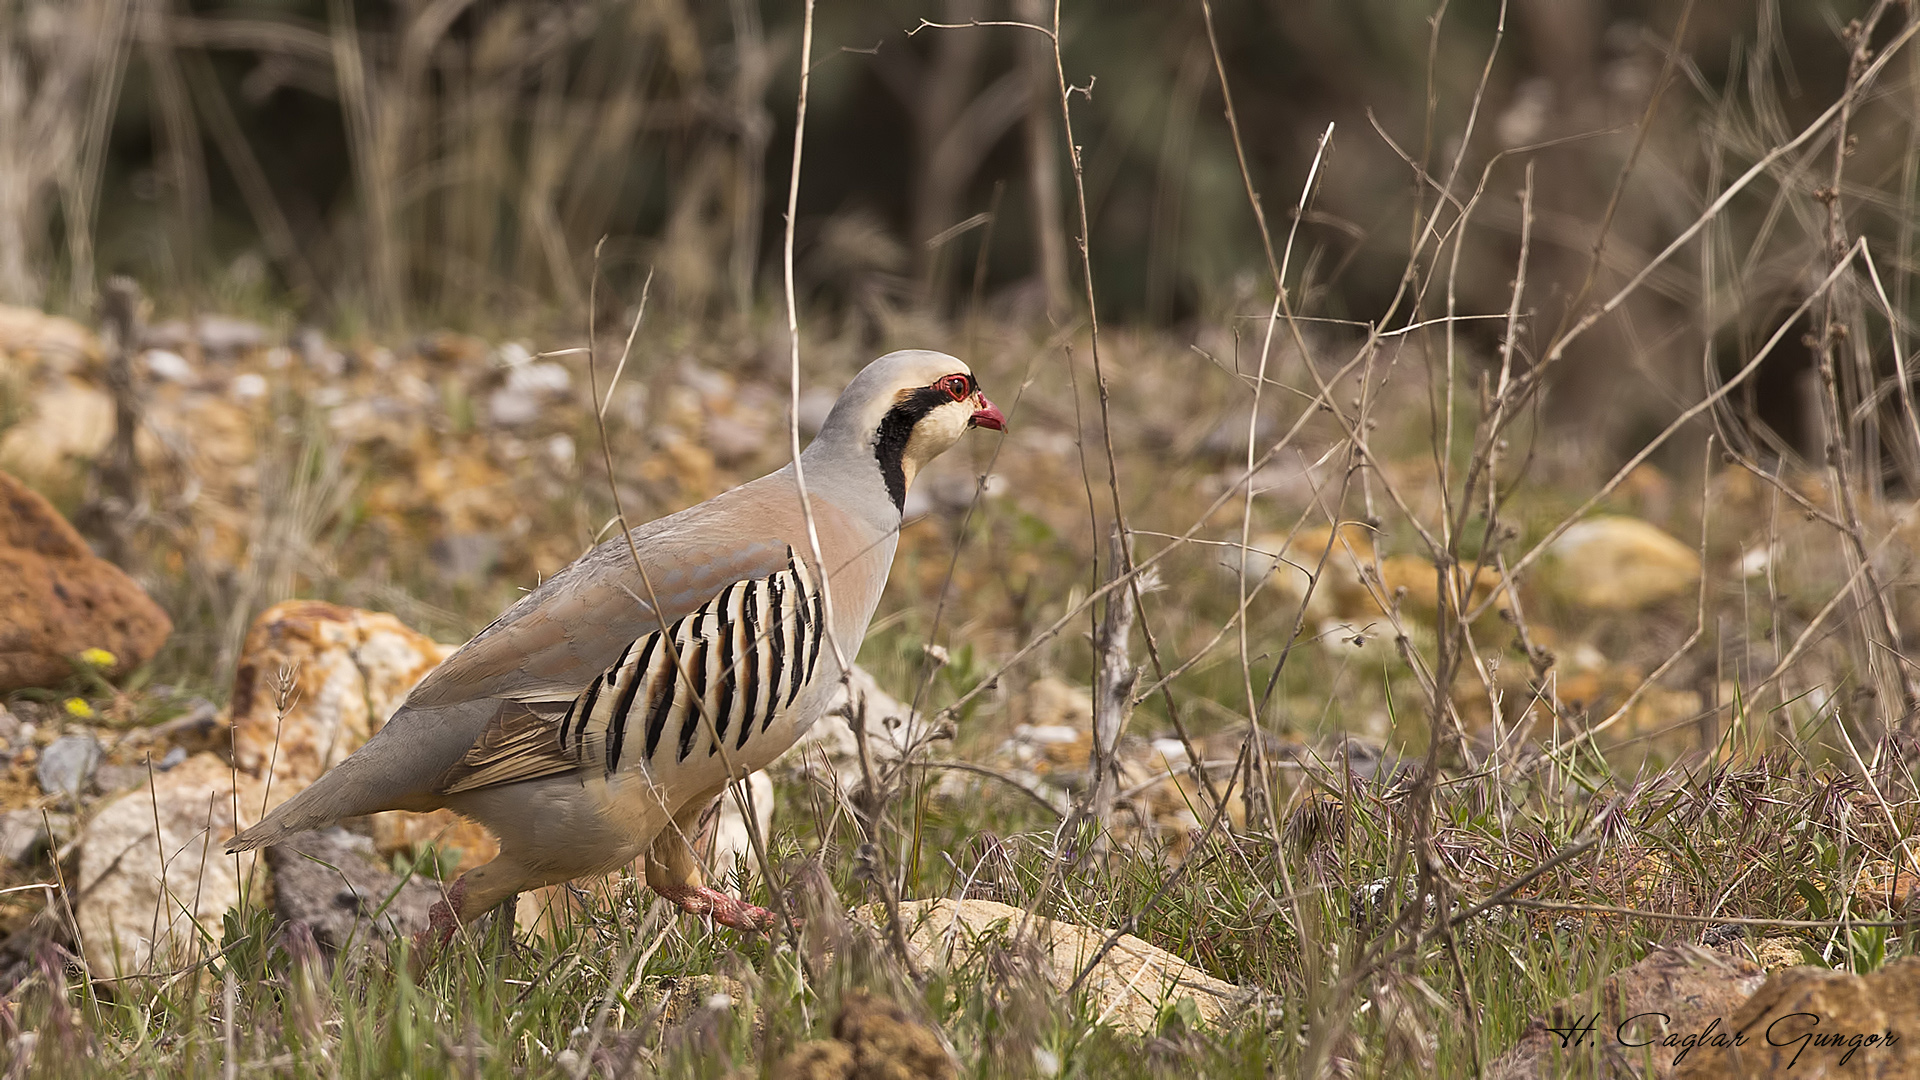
391, 772
334, 796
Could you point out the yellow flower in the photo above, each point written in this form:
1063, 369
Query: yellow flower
98, 657
78, 708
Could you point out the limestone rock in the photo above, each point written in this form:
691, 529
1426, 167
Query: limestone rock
32, 338
70, 419
330, 881
892, 727
1614, 563
346, 672
144, 902
1129, 985
57, 598
1860, 1011
1692, 986
22, 832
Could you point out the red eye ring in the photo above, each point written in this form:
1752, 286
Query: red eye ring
958, 387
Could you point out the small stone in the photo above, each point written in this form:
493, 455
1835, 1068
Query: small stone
67, 764
114, 779
225, 335
10, 726
248, 386
22, 832
1616, 563
167, 366
528, 390
174, 757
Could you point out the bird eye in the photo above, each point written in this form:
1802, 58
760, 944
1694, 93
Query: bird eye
958, 387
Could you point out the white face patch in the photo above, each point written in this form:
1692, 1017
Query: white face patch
935, 434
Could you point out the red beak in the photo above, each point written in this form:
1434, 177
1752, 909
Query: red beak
988, 416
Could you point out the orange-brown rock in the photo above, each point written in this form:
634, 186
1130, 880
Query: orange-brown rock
315, 681
1676, 992
57, 598
1809, 1021
874, 1039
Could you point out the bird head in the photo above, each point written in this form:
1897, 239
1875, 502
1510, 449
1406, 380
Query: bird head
906, 409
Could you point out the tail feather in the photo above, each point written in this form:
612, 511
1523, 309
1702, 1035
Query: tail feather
337, 794
395, 770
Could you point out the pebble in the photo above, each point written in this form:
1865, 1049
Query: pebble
21, 833
168, 365
67, 764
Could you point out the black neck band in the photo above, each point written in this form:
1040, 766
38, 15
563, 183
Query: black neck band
896, 428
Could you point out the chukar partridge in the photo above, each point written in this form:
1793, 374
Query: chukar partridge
599, 716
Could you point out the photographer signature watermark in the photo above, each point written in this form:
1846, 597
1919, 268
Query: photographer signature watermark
1799, 1030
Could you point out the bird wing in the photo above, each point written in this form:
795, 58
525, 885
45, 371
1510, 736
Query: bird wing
550, 644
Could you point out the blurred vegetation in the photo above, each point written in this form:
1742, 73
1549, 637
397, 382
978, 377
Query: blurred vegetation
456, 161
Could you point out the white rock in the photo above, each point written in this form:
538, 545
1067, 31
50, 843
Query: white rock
732, 844
892, 727
512, 354
529, 387
154, 902
167, 365
21, 833
1128, 985
248, 386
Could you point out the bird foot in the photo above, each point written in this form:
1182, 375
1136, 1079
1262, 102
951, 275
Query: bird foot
723, 909
443, 921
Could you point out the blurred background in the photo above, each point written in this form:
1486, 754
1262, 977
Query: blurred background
416, 163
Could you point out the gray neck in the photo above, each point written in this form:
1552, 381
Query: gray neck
843, 462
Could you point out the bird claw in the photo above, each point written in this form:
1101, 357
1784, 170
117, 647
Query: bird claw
443, 921
723, 909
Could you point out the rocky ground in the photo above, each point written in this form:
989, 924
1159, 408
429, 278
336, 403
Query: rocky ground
310, 525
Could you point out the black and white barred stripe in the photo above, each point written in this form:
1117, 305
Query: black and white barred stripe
743, 658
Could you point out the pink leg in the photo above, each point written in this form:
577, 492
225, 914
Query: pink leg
443, 921
725, 910
674, 872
